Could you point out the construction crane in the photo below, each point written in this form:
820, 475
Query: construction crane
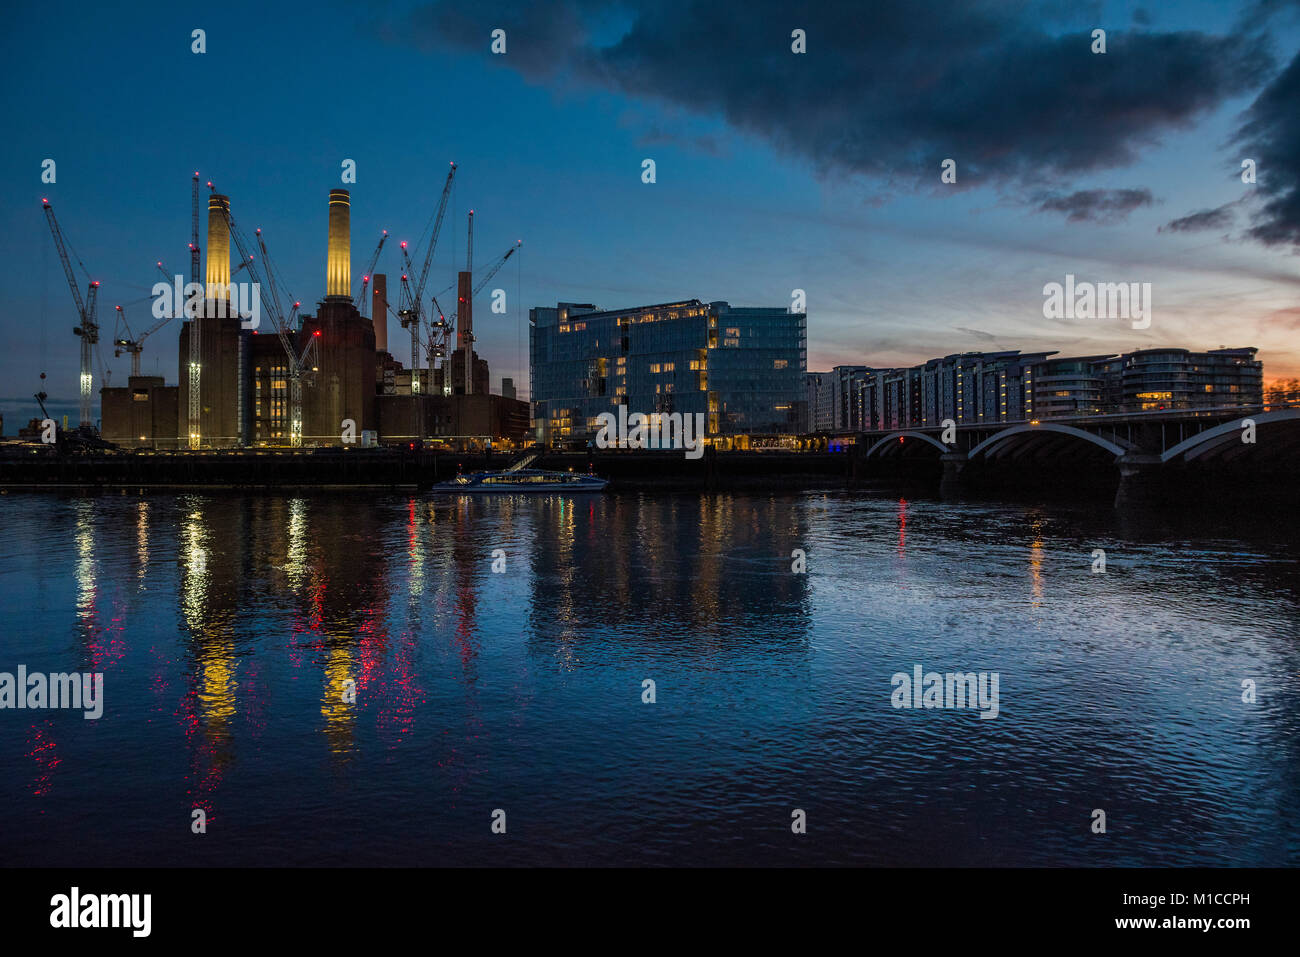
359, 302
496, 267
131, 345
299, 362
411, 311
196, 339
439, 334
88, 330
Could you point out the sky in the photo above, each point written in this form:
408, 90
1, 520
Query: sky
775, 171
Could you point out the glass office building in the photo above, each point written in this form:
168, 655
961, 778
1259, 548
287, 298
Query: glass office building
741, 367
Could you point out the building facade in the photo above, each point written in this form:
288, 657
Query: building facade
741, 368
819, 388
143, 415
976, 388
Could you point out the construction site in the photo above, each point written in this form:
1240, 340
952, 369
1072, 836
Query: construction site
256, 372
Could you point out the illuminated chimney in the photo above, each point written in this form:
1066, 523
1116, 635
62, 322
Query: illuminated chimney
379, 310
218, 273
338, 263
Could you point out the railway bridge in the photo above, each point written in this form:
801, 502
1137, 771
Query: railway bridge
1147, 448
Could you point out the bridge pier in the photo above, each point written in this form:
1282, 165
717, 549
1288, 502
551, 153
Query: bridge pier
951, 485
1140, 477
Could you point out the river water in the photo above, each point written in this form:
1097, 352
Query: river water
499, 650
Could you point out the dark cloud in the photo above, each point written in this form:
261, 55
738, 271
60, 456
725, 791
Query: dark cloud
1095, 205
1270, 135
1221, 217
883, 91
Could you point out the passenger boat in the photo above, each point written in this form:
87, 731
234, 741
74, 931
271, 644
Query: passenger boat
523, 480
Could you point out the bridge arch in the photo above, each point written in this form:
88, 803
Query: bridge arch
894, 437
1224, 434
1115, 448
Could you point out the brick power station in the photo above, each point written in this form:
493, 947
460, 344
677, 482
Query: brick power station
246, 387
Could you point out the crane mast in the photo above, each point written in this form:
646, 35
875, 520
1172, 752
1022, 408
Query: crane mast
196, 338
412, 308
88, 330
359, 301
410, 319
127, 343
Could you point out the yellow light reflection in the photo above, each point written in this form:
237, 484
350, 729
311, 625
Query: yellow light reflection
339, 714
1036, 566
217, 691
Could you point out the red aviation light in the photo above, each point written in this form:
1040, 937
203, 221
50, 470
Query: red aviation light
316, 333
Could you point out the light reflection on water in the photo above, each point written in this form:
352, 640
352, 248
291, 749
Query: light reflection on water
228, 627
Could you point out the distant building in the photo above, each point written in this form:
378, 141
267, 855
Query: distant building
246, 385
143, 415
846, 383
1179, 379
819, 388
1072, 386
476, 419
508, 388
743, 368
973, 388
